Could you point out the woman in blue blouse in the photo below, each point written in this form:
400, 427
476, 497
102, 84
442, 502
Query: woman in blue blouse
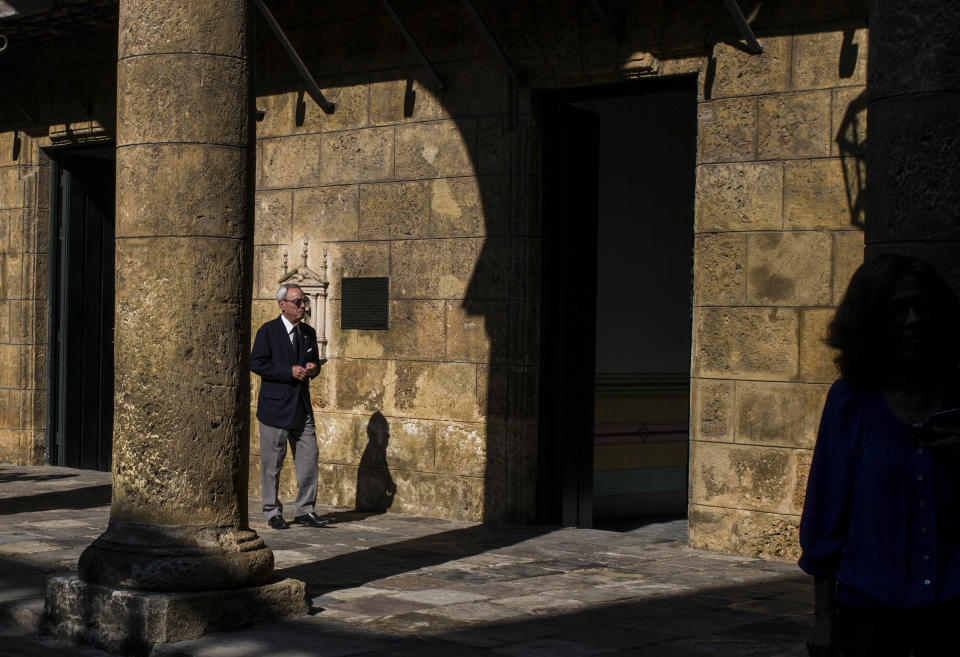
880, 530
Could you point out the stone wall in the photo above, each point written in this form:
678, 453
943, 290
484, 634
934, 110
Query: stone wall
779, 231
24, 224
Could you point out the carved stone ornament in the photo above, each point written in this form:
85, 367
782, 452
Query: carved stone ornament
315, 286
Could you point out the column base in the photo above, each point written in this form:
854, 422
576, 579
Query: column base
132, 622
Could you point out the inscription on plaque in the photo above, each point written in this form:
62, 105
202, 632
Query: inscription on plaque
365, 303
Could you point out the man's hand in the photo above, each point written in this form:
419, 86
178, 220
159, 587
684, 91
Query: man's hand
311, 369
299, 373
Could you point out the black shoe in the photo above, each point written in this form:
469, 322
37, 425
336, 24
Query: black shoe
311, 520
277, 522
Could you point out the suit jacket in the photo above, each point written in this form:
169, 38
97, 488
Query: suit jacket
273, 359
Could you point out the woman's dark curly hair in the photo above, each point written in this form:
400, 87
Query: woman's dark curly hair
858, 328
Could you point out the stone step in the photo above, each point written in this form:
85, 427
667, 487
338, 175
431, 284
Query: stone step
23, 616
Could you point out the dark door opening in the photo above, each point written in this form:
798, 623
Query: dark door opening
80, 401
619, 175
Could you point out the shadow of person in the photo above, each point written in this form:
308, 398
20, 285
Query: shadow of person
375, 487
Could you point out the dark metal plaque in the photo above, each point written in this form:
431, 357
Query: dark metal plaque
366, 303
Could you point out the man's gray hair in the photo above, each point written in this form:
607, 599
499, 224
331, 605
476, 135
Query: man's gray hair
282, 292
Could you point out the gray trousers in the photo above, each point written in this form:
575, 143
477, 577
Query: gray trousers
273, 448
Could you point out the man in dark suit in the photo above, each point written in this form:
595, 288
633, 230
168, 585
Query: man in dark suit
285, 355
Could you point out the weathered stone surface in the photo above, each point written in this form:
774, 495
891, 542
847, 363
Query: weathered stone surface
158, 195
820, 60
742, 477
739, 73
272, 218
394, 210
11, 188
745, 343
352, 259
816, 358
354, 156
768, 535
849, 119
847, 256
497, 139
820, 10
745, 196
192, 99
802, 463
418, 493
789, 268
131, 623
442, 391
351, 110
412, 445
267, 270
467, 337
434, 269
340, 437
794, 125
290, 162
416, 331
9, 366
719, 269
711, 528
326, 214
438, 148
464, 449
361, 384
148, 29
727, 130
778, 414
815, 195
711, 410
466, 207
397, 101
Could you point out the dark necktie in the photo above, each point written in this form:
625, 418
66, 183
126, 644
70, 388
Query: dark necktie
296, 342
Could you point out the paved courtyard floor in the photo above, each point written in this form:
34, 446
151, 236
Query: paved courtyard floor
398, 585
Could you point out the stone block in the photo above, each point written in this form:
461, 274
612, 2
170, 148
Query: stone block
789, 268
157, 194
720, 261
183, 28
778, 414
280, 115
742, 477
442, 391
745, 343
711, 410
727, 130
10, 146
794, 125
416, 331
10, 366
411, 446
290, 162
353, 156
848, 109
802, 463
745, 196
351, 111
821, 60
358, 259
10, 403
738, 73
434, 269
497, 138
398, 101
770, 536
466, 207
340, 437
133, 622
326, 214
467, 338
812, 11
360, 384
847, 256
462, 449
815, 195
11, 188
267, 270
321, 386
11, 275
429, 494
5, 324
436, 149
816, 358
273, 213
10, 449
394, 210
210, 110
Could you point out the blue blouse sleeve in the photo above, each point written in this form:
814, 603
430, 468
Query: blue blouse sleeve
826, 509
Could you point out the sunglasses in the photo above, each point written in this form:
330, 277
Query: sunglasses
302, 301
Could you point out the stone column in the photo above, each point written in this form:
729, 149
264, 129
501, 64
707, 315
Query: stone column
913, 135
178, 518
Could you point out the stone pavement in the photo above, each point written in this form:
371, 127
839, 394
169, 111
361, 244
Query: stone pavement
399, 585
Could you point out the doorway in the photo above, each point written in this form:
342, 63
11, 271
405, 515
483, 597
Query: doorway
81, 293
619, 176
